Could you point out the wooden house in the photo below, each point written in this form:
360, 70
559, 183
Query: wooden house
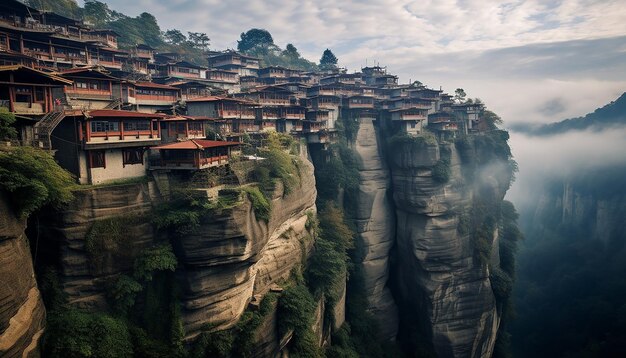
100, 146
193, 154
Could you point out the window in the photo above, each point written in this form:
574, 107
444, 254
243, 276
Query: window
97, 159
137, 126
39, 94
80, 84
197, 127
133, 156
412, 125
105, 126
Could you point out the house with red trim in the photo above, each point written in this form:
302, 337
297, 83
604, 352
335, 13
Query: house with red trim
193, 154
104, 145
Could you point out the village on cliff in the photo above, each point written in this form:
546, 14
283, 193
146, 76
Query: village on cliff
108, 114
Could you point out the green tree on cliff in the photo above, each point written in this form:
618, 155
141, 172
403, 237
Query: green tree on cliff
328, 60
6, 124
255, 39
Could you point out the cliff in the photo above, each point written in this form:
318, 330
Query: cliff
375, 224
22, 313
438, 274
231, 258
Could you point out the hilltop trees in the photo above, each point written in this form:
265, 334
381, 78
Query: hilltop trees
459, 95
255, 39
199, 40
328, 60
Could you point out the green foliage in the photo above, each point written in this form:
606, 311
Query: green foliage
107, 240
278, 165
33, 179
296, 309
51, 291
260, 204
7, 119
68, 8
459, 95
254, 38
237, 341
441, 171
123, 294
417, 142
342, 345
74, 333
328, 60
181, 214
348, 125
213, 345
328, 264
501, 284
158, 258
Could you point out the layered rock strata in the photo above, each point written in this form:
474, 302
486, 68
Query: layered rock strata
22, 313
375, 223
438, 275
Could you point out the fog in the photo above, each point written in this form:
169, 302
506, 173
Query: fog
553, 157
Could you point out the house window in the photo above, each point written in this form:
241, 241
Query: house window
133, 156
412, 125
104, 126
137, 126
97, 159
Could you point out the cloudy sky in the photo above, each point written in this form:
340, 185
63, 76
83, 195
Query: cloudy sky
528, 60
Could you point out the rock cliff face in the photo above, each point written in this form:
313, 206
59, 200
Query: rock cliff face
22, 314
234, 256
567, 204
437, 270
375, 222
231, 259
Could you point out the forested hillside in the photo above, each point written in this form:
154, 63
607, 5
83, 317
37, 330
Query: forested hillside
144, 29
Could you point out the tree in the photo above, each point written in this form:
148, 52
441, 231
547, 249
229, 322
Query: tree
254, 38
174, 37
328, 60
6, 124
291, 51
459, 95
96, 12
199, 40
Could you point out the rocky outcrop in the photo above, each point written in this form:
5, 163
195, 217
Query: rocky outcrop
375, 223
82, 279
233, 256
439, 279
22, 314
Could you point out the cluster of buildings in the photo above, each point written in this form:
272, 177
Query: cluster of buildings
111, 114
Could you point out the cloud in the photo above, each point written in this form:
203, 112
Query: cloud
552, 107
542, 159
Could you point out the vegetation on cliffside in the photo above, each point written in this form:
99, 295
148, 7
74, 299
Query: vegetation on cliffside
33, 179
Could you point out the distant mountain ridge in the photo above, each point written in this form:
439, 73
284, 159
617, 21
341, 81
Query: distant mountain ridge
612, 114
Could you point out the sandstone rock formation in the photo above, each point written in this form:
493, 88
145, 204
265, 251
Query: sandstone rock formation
375, 223
437, 273
22, 314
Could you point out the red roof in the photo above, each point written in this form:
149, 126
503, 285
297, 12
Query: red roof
154, 85
124, 114
218, 98
188, 118
198, 144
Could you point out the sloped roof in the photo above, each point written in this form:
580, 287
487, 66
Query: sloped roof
155, 85
197, 144
53, 77
123, 114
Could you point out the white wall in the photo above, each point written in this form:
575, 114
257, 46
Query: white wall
115, 170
